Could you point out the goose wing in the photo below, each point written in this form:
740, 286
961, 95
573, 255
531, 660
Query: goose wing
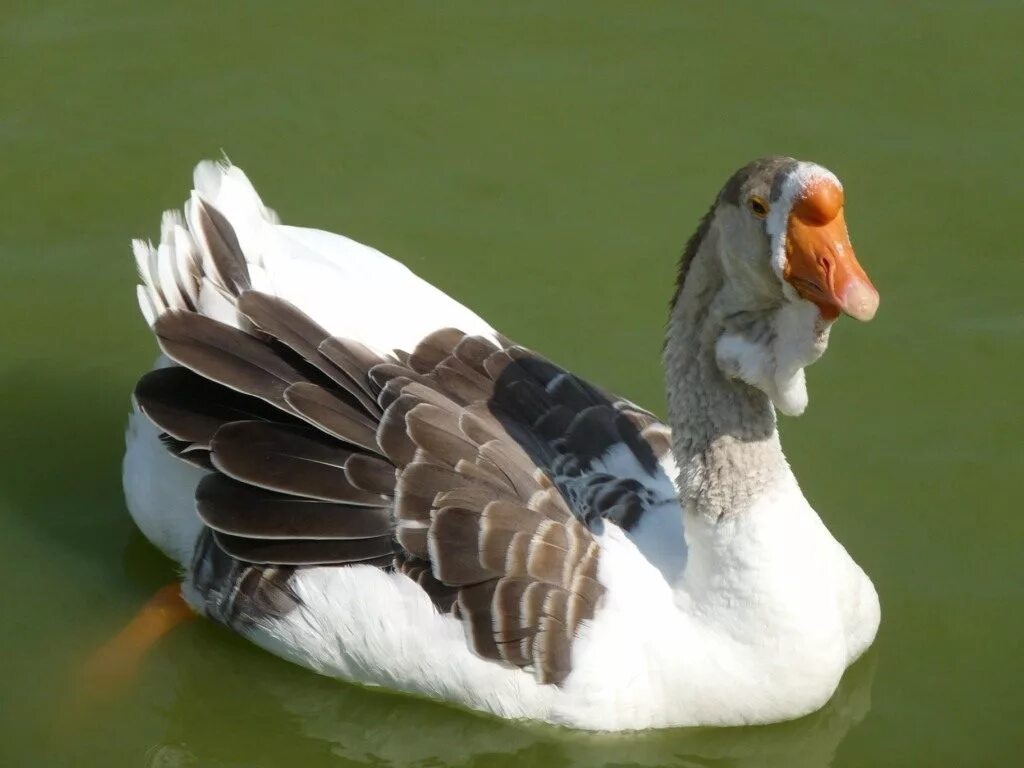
467, 463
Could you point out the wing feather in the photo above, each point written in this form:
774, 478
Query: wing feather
241, 510
469, 465
288, 459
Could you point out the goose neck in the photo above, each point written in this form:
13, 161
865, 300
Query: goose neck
725, 440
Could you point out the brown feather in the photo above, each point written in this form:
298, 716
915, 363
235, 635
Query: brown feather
474, 606
472, 496
288, 459
420, 484
509, 629
242, 510
517, 554
496, 364
326, 411
532, 602
412, 535
474, 351
486, 474
550, 503
383, 373
392, 436
440, 594
294, 328
660, 438
434, 348
552, 653
452, 545
371, 474
391, 391
437, 432
308, 552
430, 394
514, 464
355, 360
225, 355
479, 425
584, 581
191, 408
546, 557
461, 383
497, 543
223, 248
480, 526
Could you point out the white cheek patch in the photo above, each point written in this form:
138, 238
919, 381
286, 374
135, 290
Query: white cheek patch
776, 228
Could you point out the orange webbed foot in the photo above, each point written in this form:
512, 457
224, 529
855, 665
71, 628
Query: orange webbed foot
116, 663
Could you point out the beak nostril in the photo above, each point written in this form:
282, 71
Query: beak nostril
826, 265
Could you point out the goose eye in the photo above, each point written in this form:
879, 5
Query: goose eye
758, 207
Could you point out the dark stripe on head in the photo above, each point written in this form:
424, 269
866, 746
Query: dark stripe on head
692, 246
770, 171
781, 174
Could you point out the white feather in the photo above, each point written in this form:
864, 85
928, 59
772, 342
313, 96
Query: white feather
659, 534
186, 270
215, 302
159, 489
145, 261
168, 280
146, 304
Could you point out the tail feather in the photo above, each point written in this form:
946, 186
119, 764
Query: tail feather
228, 242
208, 257
228, 189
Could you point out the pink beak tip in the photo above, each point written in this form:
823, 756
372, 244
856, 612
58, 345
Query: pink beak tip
860, 301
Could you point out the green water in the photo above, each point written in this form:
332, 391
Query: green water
543, 162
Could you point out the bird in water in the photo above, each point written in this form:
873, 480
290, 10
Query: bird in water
359, 474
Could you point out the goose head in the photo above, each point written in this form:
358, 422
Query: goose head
786, 270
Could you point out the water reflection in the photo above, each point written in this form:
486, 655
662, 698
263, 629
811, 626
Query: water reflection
270, 713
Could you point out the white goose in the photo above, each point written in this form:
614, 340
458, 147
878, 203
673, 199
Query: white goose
360, 475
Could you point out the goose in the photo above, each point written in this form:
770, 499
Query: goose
359, 474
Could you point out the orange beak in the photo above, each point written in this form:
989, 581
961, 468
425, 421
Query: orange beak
820, 263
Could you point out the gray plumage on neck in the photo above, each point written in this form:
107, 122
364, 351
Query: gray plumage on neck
724, 435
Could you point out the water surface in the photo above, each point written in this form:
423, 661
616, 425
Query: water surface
544, 163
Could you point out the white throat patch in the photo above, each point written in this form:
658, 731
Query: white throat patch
776, 365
